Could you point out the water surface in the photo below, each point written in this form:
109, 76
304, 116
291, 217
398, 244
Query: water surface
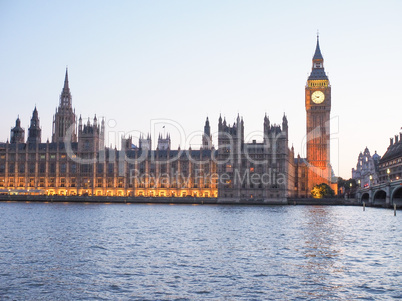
63, 251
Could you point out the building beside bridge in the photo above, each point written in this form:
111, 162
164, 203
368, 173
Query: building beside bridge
367, 169
390, 165
388, 189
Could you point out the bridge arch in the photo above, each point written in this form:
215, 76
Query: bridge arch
396, 197
379, 198
365, 197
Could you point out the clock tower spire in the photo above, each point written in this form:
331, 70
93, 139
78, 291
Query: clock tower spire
318, 109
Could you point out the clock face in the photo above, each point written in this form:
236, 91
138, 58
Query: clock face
317, 97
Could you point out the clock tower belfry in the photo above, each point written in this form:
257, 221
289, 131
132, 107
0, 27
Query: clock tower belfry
318, 109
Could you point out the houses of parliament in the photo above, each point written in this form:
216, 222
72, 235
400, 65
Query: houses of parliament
76, 161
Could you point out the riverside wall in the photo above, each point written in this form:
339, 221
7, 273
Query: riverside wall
174, 200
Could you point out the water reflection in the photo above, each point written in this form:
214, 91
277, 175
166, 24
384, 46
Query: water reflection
322, 243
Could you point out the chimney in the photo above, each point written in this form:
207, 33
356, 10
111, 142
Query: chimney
391, 141
396, 138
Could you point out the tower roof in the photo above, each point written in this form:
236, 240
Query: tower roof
18, 122
318, 72
317, 54
35, 117
35, 113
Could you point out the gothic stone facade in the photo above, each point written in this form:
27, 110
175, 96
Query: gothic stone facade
76, 161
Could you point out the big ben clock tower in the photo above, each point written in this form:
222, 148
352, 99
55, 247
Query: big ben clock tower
318, 109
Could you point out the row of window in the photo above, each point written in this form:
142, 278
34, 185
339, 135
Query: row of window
391, 162
99, 182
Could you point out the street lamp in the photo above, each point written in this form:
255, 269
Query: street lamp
371, 179
388, 172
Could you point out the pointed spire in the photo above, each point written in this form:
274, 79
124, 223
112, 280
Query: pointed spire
66, 80
317, 54
34, 130
65, 97
318, 72
34, 114
266, 121
284, 122
207, 122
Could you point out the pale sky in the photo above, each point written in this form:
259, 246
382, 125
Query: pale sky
135, 62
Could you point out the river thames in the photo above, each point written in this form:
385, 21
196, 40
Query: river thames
65, 251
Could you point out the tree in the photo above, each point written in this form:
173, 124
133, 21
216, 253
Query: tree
348, 186
322, 191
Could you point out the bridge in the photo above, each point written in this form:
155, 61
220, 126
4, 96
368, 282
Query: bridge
382, 195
